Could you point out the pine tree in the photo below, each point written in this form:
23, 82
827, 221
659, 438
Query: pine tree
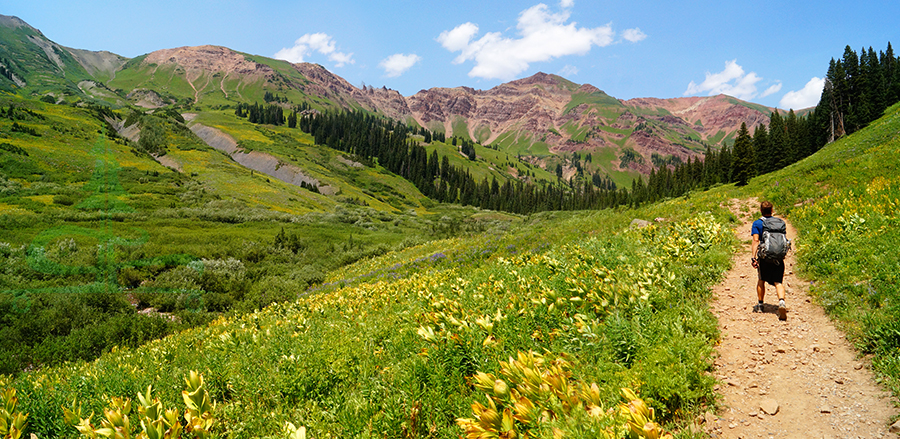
791, 151
742, 163
778, 140
762, 147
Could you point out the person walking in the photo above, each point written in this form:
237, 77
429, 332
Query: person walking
768, 249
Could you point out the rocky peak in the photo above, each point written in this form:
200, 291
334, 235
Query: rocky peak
537, 78
14, 22
208, 58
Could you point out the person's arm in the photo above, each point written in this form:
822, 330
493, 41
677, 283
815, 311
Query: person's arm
753, 246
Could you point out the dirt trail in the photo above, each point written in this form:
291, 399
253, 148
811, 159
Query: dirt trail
798, 378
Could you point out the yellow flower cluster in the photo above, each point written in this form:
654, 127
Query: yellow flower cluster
155, 421
12, 423
533, 393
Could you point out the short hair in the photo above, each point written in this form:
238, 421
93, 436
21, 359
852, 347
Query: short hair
765, 208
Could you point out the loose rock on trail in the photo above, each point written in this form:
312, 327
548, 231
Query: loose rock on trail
798, 378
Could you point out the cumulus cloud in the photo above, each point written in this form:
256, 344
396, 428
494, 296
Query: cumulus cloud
732, 81
634, 35
542, 36
397, 64
311, 43
806, 97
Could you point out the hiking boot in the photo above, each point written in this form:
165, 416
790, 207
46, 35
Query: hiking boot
758, 307
782, 311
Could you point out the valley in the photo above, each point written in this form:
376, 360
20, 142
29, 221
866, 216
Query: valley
271, 251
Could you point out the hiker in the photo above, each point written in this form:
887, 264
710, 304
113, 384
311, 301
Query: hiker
769, 247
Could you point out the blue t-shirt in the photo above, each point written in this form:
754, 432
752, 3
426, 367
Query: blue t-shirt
757, 227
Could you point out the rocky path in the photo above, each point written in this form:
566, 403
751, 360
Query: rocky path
798, 378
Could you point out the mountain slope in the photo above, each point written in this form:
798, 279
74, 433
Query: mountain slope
544, 119
546, 114
218, 76
32, 64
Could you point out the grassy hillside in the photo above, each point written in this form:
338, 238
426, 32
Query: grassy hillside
436, 337
41, 67
215, 88
390, 354
846, 202
83, 211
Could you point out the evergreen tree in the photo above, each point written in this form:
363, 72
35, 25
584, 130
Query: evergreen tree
762, 147
725, 164
743, 159
778, 140
791, 152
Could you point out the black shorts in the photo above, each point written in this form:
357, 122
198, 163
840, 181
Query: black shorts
771, 271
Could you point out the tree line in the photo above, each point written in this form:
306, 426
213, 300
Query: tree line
858, 88
270, 114
387, 143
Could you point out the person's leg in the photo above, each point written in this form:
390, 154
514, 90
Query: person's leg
782, 308
760, 294
779, 289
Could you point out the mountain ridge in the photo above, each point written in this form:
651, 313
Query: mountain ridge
543, 116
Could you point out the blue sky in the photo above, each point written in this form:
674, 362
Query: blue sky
768, 52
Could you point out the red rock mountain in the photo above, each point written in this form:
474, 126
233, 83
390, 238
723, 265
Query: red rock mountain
547, 112
539, 116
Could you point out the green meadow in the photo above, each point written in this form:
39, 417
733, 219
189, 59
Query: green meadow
318, 315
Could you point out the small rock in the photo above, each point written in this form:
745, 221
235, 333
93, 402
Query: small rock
769, 406
895, 428
780, 350
839, 380
732, 425
825, 409
639, 223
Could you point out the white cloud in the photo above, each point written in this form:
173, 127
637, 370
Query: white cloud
568, 70
732, 81
397, 64
634, 35
807, 97
458, 38
774, 88
317, 42
542, 36
566, 4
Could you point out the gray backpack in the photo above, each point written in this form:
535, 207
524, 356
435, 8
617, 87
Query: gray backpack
773, 243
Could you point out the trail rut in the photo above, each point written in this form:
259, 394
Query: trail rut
798, 378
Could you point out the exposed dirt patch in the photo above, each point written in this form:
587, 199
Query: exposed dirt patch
798, 378
349, 162
145, 98
255, 160
169, 162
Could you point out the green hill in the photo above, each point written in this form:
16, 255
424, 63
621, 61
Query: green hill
386, 346
32, 65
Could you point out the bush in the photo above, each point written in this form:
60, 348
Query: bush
63, 200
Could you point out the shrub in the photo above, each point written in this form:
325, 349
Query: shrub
63, 200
